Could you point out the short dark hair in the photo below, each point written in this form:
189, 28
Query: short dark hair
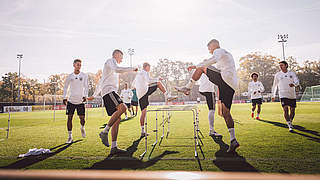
145, 65
76, 60
284, 62
254, 73
116, 51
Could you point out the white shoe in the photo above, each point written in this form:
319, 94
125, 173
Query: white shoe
69, 140
214, 133
83, 132
290, 126
170, 98
183, 89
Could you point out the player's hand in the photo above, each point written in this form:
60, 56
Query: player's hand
65, 101
291, 85
84, 99
273, 99
191, 67
90, 98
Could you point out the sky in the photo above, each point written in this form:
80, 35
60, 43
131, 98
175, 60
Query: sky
52, 33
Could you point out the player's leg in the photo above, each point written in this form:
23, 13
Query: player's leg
142, 119
115, 108
292, 113
126, 115
195, 77
167, 95
253, 108
129, 109
114, 136
211, 102
70, 111
258, 111
230, 124
81, 113
287, 117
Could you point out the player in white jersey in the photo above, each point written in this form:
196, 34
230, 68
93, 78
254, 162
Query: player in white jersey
286, 82
224, 76
255, 90
126, 95
107, 87
75, 92
145, 86
207, 89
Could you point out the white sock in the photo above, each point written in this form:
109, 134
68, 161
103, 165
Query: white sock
70, 134
232, 134
211, 120
190, 84
142, 129
114, 144
82, 127
106, 129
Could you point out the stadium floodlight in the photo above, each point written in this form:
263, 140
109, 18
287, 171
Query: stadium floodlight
55, 100
283, 39
19, 56
131, 53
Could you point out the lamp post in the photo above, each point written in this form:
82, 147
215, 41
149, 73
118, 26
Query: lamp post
19, 56
131, 53
283, 39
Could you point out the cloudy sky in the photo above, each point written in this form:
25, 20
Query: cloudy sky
50, 34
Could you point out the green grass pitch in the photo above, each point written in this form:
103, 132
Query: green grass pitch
266, 145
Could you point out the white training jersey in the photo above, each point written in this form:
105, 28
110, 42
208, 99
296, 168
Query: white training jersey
225, 63
126, 95
142, 81
255, 89
281, 81
205, 85
110, 78
76, 87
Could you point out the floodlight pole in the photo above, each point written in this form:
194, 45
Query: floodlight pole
19, 56
131, 53
282, 39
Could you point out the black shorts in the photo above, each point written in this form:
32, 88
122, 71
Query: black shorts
211, 99
288, 102
134, 103
225, 91
111, 101
256, 101
72, 107
127, 104
144, 101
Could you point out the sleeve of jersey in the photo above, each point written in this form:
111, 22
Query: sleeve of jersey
119, 69
207, 62
275, 86
65, 88
261, 87
99, 85
86, 86
295, 80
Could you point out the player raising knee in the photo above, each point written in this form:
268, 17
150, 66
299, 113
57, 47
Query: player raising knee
75, 92
107, 87
255, 89
224, 76
145, 86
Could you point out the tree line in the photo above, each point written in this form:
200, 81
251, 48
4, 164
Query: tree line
173, 72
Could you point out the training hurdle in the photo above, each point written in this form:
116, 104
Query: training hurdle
166, 116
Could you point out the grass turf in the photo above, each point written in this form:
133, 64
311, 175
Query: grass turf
266, 145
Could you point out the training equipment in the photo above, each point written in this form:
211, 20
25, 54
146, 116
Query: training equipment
104, 138
311, 94
166, 116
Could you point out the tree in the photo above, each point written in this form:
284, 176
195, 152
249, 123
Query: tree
9, 87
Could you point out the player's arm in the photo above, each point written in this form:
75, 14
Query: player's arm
86, 88
274, 87
65, 90
214, 59
295, 80
119, 69
261, 87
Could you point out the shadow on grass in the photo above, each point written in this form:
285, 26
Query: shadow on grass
121, 121
127, 161
30, 160
230, 161
296, 127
